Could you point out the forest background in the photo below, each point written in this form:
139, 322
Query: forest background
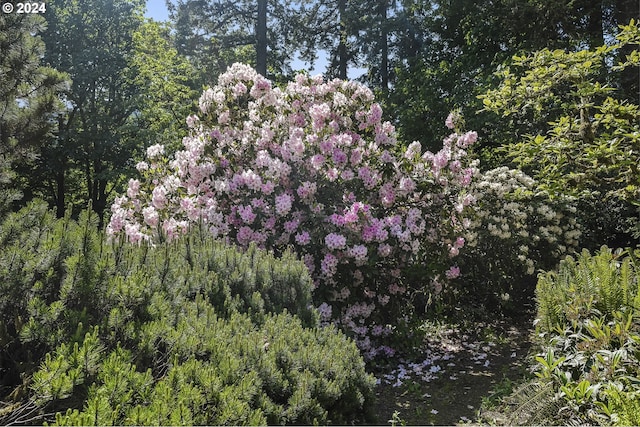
92, 104
128, 83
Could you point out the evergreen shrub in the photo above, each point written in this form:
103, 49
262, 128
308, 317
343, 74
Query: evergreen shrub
187, 332
207, 370
588, 360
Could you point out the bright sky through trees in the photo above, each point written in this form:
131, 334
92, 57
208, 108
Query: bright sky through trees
157, 10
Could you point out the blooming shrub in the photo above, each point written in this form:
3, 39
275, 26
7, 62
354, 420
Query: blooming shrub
517, 229
311, 166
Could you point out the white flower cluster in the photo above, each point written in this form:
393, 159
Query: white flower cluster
514, 219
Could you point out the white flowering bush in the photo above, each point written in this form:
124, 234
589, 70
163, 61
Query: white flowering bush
313, 167
517, 229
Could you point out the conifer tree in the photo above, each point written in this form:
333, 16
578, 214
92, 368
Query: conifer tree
28, 97
214, 34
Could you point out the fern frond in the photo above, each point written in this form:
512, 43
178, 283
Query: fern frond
532, 403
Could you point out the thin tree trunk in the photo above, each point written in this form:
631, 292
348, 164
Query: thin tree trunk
98, 194
384, 46
342, 46
595, 26
100, 202
261, 38
60, 193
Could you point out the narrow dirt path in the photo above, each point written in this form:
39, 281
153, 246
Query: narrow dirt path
455, 372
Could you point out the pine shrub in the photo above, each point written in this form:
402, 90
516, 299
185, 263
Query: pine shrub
212, 371
187, 332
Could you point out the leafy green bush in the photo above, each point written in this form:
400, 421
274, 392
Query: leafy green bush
589, 339
579, 135
188, 332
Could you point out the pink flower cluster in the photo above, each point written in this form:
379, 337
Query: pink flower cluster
310, 166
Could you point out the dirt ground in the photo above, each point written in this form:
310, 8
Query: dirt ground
456, 371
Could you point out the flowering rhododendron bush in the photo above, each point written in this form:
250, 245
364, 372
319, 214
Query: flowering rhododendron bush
517, 229
312, 166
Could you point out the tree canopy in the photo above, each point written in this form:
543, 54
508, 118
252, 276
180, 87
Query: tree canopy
133, 83
29, 97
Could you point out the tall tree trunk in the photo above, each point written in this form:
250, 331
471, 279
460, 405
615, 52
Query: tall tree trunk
59, 185
97, 191
59, 196
342, 46
595, 27
384, 46
261, 38
100, 201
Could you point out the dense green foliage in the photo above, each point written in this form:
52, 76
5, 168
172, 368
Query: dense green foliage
95, 134
588, 337
187, 332
578, 135
214, 372
29, 98
444, 54
581, 138
605, 283
168, 82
